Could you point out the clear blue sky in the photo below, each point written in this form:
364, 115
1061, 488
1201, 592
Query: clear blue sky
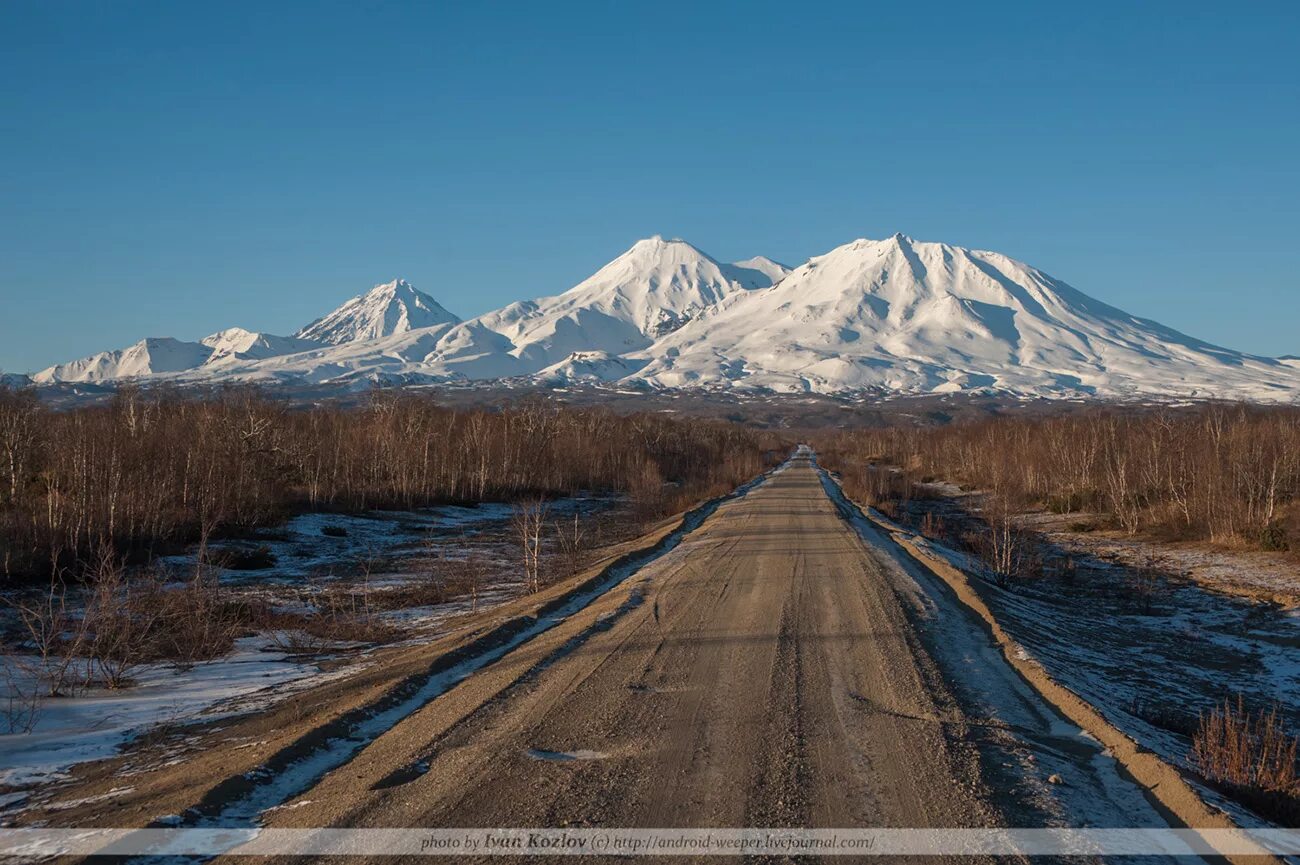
173, 168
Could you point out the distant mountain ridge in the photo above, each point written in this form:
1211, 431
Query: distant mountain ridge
389, 308
892, 315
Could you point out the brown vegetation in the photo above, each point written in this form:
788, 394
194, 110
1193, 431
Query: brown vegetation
152, 470
1226, 474
1251, 756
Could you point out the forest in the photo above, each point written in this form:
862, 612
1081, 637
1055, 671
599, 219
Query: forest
154, 470
1225, 474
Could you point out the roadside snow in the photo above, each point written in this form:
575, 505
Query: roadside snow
95, 724
71, 730
1024, 742
1150, 668
321, 544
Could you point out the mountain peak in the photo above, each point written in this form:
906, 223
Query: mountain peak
238, 342
656, 248
388, 308
395, 286
889, 314
230, 333
767, 270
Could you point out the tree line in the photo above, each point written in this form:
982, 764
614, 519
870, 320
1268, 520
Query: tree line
1229, 474
153, 469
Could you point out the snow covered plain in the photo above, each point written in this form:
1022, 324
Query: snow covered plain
872, 316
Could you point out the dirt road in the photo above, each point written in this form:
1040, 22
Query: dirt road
764, 673
770, 660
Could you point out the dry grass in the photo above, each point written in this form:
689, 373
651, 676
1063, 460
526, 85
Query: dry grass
1251, 756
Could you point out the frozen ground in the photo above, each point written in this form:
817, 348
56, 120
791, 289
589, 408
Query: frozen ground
1059, 775
326, 545
92, 726
387, 551
1243, 572
1150, 664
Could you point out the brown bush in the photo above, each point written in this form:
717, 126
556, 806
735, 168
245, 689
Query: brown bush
1251, 756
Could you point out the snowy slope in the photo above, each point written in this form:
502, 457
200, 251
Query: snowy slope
772, 271
150, 356
902, 315
892, 315
590, 366
389, 308
399, 356
235, 343
652, 289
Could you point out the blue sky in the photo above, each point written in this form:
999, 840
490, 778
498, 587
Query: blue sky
175, 168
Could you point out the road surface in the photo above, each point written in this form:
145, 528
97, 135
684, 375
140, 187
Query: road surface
764, 673
783, 665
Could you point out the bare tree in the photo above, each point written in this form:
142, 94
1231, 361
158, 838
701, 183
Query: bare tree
528, 522
1228, 474
154, 469
571, 543
20, 415
1008, 549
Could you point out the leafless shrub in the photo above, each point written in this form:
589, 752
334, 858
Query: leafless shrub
1004, 546
122, 617
933, 527
198, 622
125, 622
1145, 584
474, 573
57, 636
24, 699
572, 542
336, 615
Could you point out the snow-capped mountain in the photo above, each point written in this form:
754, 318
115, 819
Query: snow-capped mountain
903, 315
235, 343
773, 271
150, 356
892, 315
389, 308
652, 289
163, 355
